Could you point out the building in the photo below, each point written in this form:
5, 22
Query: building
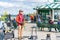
49, 10
56, 0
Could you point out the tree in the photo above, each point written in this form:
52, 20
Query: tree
4, 17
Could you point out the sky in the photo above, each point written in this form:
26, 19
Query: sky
13, 6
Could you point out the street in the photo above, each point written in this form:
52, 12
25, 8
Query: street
41, 35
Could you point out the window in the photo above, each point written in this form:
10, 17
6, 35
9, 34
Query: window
56, 15
56, 0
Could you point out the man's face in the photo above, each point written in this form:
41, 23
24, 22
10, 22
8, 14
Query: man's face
21, 12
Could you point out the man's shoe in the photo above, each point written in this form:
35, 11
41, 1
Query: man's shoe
31, 37
49, 30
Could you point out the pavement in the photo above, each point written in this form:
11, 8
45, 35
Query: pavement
41, 35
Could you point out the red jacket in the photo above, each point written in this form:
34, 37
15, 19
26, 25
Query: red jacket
20, 18
31, 17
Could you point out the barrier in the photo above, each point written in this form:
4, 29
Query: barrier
46, 25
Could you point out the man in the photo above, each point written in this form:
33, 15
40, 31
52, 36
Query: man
32, 18
58, 25
51, 24
39, 21
1, 30
14, 23
20, 21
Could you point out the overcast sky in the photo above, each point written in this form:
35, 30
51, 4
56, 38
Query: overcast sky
13, 6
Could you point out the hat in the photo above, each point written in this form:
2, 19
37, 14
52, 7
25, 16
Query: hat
20, 10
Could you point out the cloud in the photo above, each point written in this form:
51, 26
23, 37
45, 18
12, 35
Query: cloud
18, 0
19, 5
31, 0
6, 4
51, 0
14, 8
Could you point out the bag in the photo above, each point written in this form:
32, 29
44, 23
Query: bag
58, 22
8, 24
17, 19
51, 22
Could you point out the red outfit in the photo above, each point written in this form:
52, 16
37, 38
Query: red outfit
20, 19
31, 17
